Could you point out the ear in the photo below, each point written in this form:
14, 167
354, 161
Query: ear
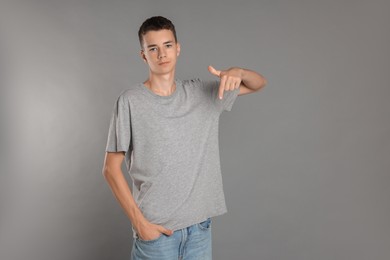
178, 49
142, 54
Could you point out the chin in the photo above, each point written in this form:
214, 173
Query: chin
163, 71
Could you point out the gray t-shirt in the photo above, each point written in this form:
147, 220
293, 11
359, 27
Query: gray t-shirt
172, 150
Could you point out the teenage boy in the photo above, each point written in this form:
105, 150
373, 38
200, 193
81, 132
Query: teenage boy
167, 131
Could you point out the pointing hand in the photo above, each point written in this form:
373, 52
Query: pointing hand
230, 79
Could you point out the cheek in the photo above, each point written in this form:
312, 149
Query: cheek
151, 57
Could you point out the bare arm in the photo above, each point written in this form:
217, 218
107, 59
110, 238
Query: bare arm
248, 81
251, 81
113, 174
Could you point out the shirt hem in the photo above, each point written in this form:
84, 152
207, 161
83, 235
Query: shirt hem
190, 223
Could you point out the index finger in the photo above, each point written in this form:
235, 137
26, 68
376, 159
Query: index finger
221, 87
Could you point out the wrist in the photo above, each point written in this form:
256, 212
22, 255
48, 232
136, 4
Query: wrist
238, 70
136, 216
139, 222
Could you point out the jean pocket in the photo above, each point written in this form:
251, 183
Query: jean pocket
150, 241
205, 225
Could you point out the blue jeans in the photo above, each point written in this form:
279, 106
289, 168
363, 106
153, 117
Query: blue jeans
190, 243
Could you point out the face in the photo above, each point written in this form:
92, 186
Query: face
160, 51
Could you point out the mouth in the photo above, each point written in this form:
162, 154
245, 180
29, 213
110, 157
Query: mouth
163, 63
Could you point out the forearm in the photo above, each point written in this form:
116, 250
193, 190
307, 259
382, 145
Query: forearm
252, 79
122, 193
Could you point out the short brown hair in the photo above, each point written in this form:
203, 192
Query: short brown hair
155, 23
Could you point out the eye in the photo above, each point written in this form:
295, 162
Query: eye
153, 49
169, 45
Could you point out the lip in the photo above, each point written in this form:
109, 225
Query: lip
163, 63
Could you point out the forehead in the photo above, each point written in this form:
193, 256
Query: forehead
158, 37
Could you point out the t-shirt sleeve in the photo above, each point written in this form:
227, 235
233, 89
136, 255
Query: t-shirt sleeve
119, 133
229, 96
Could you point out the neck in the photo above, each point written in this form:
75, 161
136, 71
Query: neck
163, 85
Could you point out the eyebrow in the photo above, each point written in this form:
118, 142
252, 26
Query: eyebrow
153, 45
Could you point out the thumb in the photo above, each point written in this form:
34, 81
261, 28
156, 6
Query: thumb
214, 71
166, 231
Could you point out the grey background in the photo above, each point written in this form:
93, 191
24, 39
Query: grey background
305, 162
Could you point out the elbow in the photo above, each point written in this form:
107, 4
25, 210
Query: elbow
264, 82
112, 163
106, 171
108, 175
111, 171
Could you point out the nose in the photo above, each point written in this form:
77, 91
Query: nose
161, 54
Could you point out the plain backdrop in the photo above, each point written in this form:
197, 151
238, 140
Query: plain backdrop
305, 161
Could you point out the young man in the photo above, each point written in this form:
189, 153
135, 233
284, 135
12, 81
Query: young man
167, 131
